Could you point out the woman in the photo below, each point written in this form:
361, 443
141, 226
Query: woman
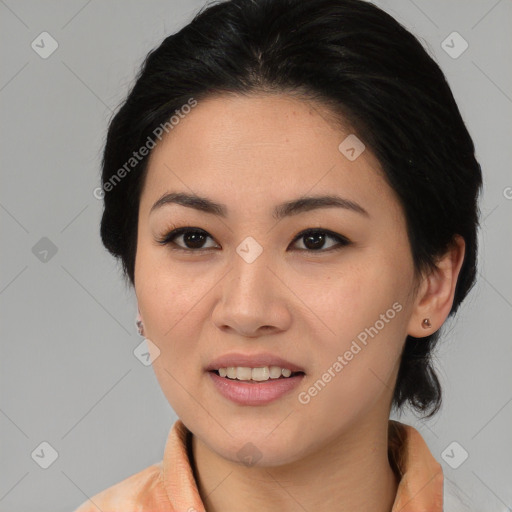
292, 192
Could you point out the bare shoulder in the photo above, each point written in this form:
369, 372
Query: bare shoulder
138, 492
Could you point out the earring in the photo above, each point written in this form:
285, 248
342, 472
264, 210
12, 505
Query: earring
140, 326
426, 323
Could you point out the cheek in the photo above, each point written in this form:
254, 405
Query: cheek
170, 304
167, 298
353, 371
355, 296
364, 314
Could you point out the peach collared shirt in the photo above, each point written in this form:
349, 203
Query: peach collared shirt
170, 486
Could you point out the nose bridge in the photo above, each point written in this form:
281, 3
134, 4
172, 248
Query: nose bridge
250, 275
250, 296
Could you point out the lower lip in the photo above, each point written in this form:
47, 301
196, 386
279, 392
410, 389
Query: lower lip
255, 393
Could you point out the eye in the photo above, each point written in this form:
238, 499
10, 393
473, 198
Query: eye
315, 240
194, 238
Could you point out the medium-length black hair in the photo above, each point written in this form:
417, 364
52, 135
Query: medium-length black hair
372, 73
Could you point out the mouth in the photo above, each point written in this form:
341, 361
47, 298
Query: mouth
254, 379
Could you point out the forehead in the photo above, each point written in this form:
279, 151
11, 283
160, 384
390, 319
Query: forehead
262, 148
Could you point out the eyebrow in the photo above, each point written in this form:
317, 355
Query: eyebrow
286, 209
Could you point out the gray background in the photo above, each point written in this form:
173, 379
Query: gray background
68, 373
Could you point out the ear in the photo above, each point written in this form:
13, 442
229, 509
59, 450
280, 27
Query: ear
436, 291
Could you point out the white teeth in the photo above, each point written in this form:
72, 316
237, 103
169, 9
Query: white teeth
286, 372
275, 372
258, 374
243, 373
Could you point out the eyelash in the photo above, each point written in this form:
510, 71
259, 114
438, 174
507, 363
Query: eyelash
174, 233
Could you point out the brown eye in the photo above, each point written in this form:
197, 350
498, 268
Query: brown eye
193, 238
314, 240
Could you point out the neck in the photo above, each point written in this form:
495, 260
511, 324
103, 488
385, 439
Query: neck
350, 473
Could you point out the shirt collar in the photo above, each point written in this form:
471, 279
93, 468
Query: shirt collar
420, 475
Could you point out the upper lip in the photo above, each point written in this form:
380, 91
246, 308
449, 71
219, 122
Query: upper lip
251, 361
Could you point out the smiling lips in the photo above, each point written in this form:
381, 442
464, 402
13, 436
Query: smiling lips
254, 379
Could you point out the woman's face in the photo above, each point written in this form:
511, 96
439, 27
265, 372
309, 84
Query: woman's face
335, 308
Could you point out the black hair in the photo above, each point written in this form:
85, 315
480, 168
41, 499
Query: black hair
371, 72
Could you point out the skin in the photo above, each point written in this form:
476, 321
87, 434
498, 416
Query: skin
252, 153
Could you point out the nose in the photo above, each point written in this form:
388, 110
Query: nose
253, 299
